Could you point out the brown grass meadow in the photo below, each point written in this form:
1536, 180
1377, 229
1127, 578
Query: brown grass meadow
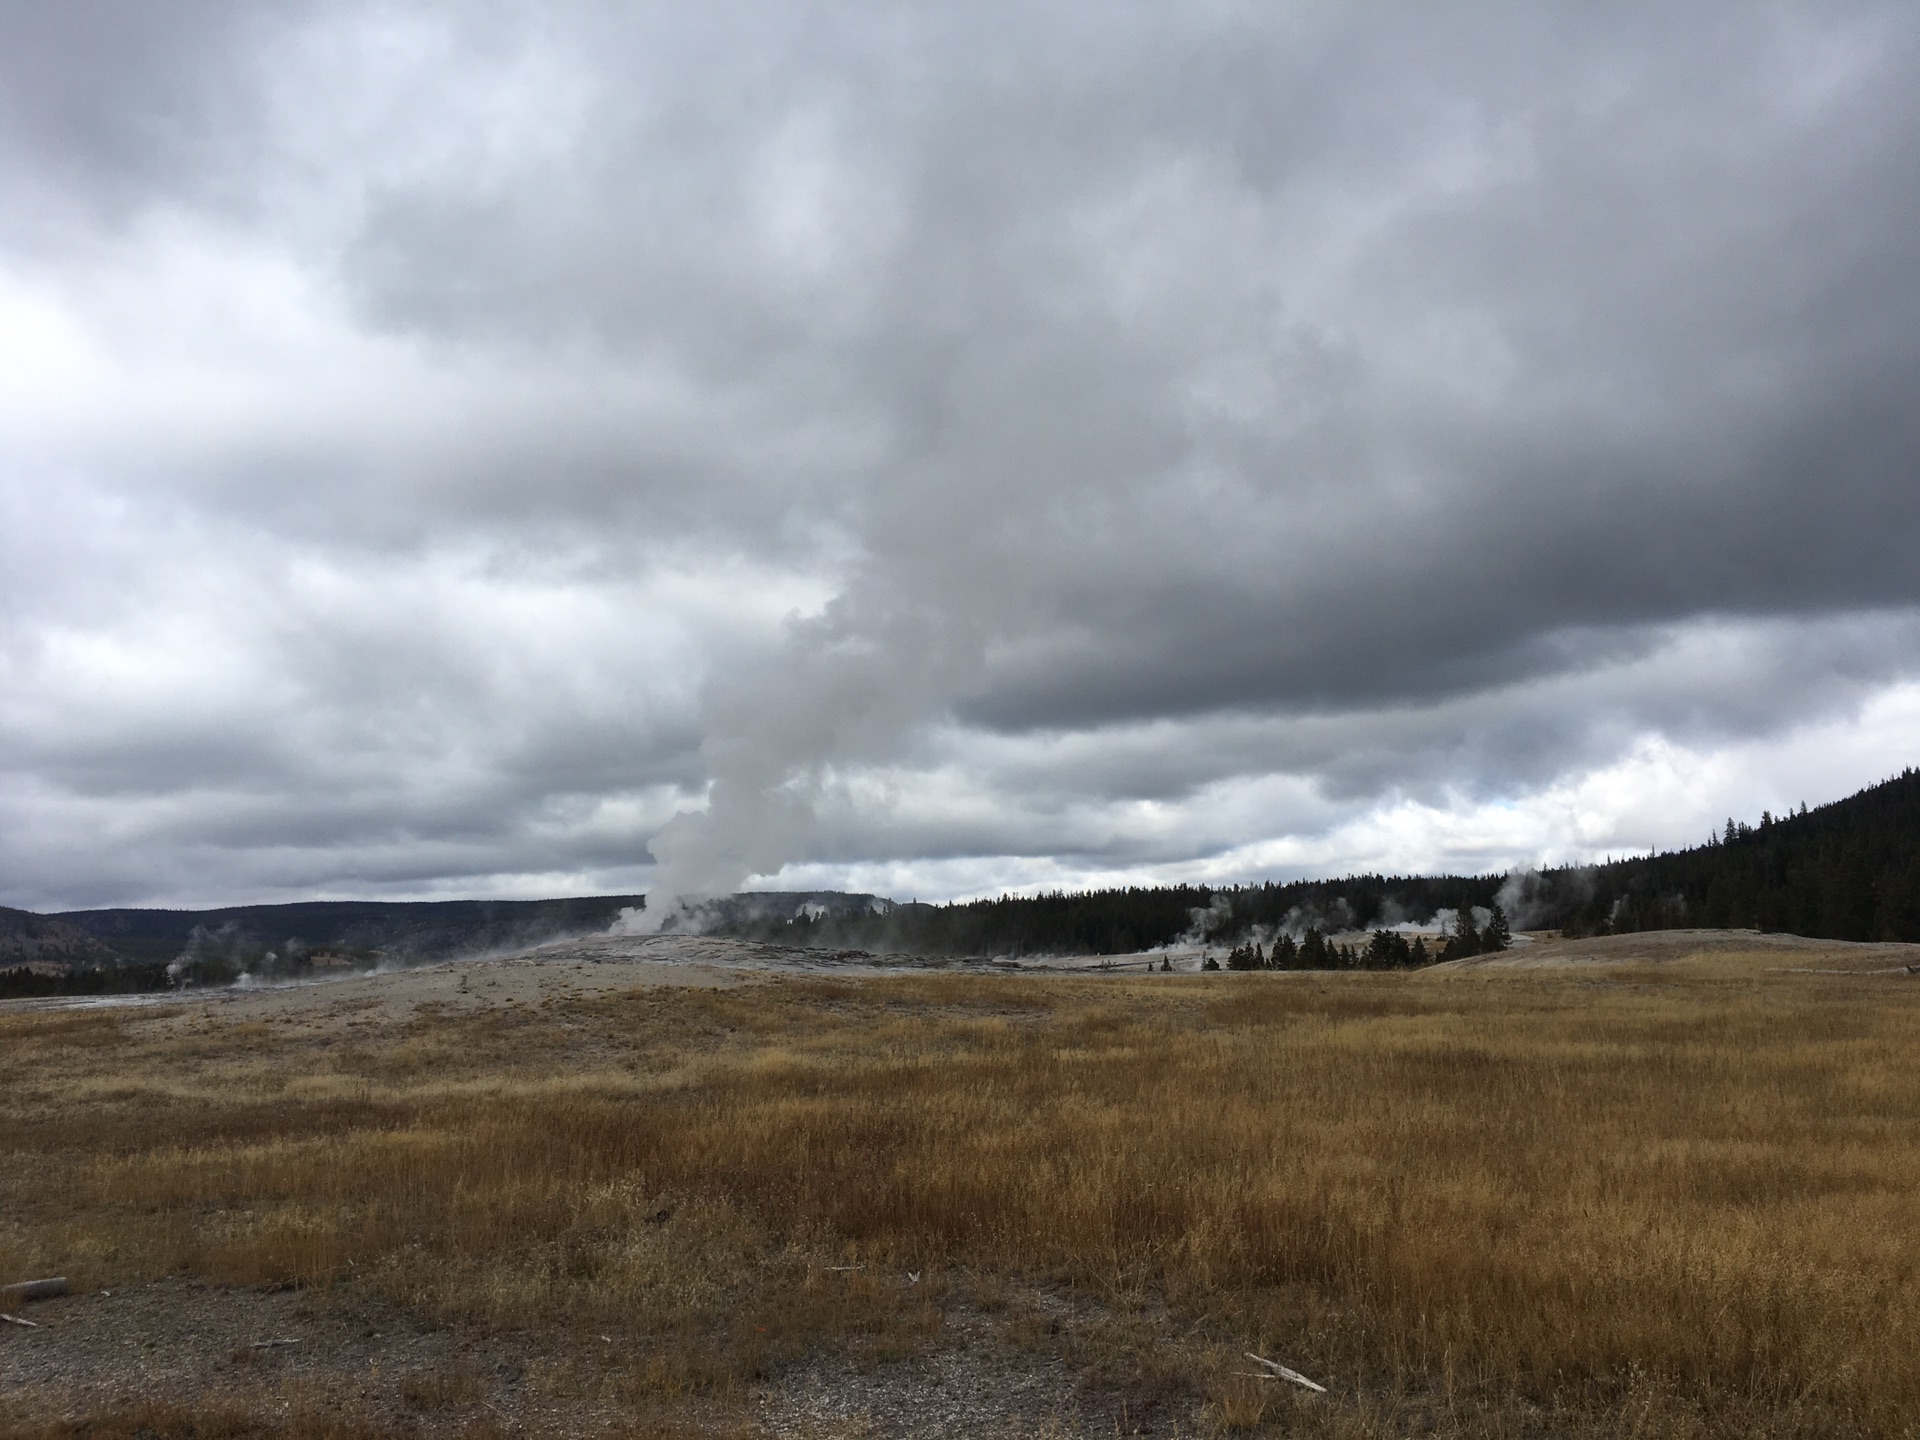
1674, 1201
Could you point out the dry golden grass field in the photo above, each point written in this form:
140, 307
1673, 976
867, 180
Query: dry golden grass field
1672, 1198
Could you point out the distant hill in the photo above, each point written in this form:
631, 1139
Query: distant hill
40, 955
401, 930
102, 951
29, 939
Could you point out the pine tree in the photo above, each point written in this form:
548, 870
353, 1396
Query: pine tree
1313, 950
1496, 936
1466, 939
1387, 950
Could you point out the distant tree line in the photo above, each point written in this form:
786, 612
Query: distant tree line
20, 982
1127, 921
1301, 917
1384, 950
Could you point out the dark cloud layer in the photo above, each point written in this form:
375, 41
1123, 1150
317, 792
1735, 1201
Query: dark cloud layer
962, 446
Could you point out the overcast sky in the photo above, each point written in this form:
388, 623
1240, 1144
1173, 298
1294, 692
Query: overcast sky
537, 449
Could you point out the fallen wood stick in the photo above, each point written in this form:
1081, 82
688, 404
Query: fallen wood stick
25, 1290
1283, 1373
271, 1344
16, 1320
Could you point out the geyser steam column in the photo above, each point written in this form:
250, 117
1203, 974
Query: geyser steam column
842, 690
705, 854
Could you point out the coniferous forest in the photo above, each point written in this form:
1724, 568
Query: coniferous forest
1846, 871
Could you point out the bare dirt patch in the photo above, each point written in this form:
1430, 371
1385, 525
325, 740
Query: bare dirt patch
283, 1357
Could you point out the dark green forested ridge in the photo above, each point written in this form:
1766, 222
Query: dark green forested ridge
1846, 871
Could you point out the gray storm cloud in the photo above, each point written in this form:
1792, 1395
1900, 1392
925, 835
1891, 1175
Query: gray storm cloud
453, 450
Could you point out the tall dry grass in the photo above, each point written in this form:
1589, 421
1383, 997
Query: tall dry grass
1688, 1198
